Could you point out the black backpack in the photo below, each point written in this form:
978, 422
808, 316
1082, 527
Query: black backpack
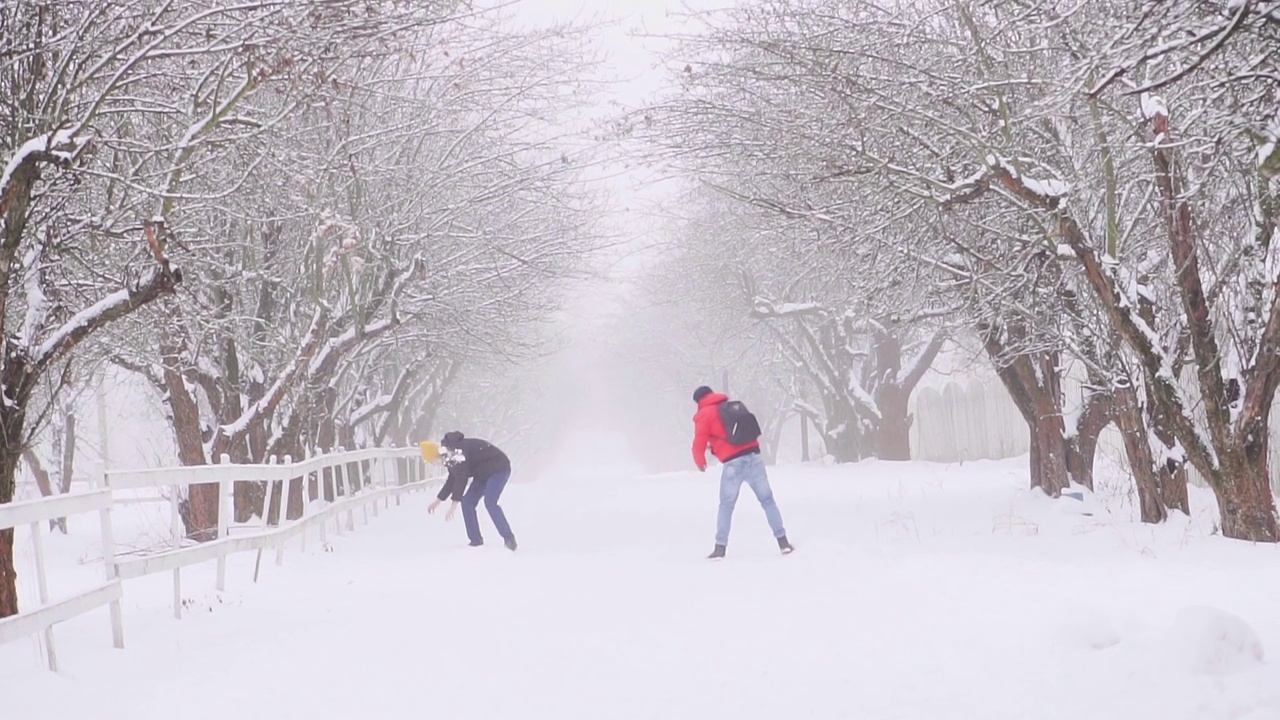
740, 426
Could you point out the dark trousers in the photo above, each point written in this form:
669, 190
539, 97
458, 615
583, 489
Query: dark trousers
490, 489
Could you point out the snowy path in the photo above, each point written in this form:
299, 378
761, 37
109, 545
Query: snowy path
917, 592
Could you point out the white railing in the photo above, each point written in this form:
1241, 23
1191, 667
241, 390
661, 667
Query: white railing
357, 482
36, 513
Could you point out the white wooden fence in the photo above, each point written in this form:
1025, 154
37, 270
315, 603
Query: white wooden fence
976, 420
359, 480
969, 420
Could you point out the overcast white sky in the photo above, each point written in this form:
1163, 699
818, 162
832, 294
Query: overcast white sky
580, 375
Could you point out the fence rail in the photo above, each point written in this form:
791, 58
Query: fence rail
359, 480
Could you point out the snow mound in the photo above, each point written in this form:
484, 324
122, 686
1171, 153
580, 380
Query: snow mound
1086, 630
1209, 641
1262, 714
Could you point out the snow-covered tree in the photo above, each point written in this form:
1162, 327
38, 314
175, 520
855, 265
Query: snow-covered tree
1049, 205
354, 186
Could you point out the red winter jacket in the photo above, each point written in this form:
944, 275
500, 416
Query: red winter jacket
708, 429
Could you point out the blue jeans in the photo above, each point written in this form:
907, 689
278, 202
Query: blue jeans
748, 469
490, 488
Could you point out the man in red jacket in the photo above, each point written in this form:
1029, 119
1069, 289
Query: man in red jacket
742, 463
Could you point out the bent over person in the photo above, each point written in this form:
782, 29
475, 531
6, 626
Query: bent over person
742, 464
489, 469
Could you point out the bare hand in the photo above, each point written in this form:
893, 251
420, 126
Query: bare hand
432, 507
452, 509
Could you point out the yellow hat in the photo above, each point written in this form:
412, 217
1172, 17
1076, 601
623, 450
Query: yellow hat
430, 451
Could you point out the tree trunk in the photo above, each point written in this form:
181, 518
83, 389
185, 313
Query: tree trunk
844, 445
1172, 477
68, 459
1137, 447
8, 575
1245, 506
246, 497
250, 497
1048, 455
773, 435
43, 481
1173, 487
1034, 384
1082, 445
893, 432
892, 390
41, 475
1082, 450
12, 419
199, 511
1243, 488
297, 498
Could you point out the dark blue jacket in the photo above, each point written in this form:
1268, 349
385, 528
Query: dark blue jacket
469, 458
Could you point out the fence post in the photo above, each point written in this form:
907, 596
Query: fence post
361, 480
109, 559
42, 585
324, 532
266, 496
375, 481
286, 494
266, 515
335, 472
224, 520
384, 470
398, 483
387, 483
175, 523
340, 471
284, 510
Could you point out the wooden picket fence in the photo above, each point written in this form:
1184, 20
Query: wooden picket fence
358, 480
975, 419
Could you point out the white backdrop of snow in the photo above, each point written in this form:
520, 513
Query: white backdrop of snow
919, 591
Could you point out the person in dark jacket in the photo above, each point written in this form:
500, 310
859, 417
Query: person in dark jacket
489, 469
742, 463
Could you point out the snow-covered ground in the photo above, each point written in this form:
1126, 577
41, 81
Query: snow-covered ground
918, 591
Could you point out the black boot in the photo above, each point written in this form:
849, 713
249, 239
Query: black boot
510, 543
785, 545
717, 553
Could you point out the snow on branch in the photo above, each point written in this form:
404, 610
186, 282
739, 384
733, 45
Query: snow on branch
158, 281
59, 146
1104, 276
335, 347
37, 302
762, 307
1153, 106
1215, 34
864, 400
919, 365
1050, 189
369, 409
806, 409
147, 371
385, 402
1268, 152
271, 399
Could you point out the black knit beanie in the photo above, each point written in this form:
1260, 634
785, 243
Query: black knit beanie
700, 393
